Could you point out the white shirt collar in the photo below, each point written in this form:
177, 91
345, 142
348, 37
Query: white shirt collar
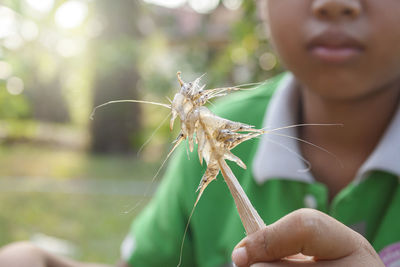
280, 157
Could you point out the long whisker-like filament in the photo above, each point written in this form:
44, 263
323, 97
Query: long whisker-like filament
181, 138
210, 103
311, 144
308, 164
184, 234
216, 137
178, 141
128, 101
256, 85
241, 87
300, 125
201, 77
152, 134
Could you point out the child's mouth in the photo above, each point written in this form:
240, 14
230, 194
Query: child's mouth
335, 47
335, 54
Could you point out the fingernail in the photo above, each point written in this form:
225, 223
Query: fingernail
239, 256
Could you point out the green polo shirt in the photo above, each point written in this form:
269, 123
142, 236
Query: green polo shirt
370, 205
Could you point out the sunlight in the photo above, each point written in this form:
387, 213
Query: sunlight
29, 30
7, 22
13, 42
15, 85
232, 4
167, 3
267, 61
71, 14
5, 70
43, 6
70, 47
204, 6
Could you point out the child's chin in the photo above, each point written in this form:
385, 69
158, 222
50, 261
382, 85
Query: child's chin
337, 89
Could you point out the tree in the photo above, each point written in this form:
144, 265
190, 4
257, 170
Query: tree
114, 56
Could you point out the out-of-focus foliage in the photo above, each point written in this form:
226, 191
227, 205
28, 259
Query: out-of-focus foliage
114, 54
60, 58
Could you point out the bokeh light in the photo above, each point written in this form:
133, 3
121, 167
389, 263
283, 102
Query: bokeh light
239, 55
15, 85
70, 47
7, 22
5, 70
203, 6
167, 3
232, 4
29, 30
13, 42
42, 6
59, 59
71, 14
267, 61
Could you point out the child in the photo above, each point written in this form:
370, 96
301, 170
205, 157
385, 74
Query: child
344, 63
344, 59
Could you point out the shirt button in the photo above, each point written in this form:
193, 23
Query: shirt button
310, 202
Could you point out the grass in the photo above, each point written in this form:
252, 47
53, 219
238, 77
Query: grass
95, 223
58, 163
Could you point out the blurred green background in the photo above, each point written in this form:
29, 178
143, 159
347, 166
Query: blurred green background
72, 184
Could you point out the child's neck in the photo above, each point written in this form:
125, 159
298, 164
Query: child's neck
364, 122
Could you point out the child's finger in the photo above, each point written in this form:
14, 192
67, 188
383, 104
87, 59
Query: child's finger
305, 231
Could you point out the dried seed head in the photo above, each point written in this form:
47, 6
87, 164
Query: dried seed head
214, 135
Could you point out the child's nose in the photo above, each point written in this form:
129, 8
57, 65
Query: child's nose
336, 9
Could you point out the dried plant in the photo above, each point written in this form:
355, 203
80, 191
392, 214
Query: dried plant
215, 138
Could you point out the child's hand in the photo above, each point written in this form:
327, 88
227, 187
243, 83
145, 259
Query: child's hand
22, 254
25, 254
311, 233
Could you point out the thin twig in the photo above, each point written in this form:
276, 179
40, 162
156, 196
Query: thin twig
251, 220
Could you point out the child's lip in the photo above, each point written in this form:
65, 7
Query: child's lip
335, 47
335, 54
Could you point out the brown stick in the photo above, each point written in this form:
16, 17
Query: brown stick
251, 220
